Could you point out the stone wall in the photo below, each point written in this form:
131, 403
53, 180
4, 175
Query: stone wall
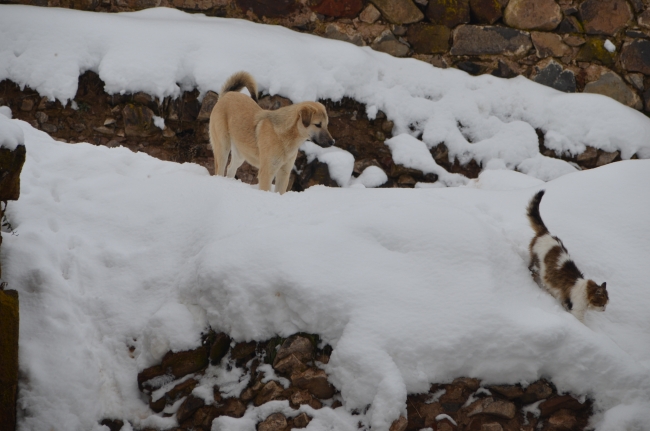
596, 46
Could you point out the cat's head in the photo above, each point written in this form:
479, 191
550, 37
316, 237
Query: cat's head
597, 295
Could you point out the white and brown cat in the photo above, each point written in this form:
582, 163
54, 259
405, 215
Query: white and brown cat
553, 269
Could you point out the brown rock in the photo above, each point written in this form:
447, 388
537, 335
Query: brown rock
232, 407
644, 19
204, 416
399, 424
612, 85
389, 44
605, 16
270, 391
511, 392
299, 346
549, 45
635, 56
315, 381
399, 11
573, 40
495, 426
339, 8
588, 155
27, 105
537, 391
533, 14
179, 391
51, 128
370, 14
183, 363
430, 412
570, 24
607, 157
11, 164
563, 420
489, 40
552, 405
220, 346
301, 421
268, 8
455, 394
145, 376
9, 322
138, 120
104, 130
209, 100
498, 408
428, 39
243, 350
449, 13
275, 422
301, 397
187, 409
339, 31
289, 365
486, 11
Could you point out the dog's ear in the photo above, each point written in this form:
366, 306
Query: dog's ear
305, 115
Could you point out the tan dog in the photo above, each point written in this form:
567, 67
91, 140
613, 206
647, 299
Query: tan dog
268, 140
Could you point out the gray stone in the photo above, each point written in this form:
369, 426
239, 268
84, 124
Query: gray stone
338, 32
644, 19
612, 85
636, 79
635, 56
553, 75
49, 128
607, 157
41, 117
533, 14
389, 44
399, 11
489, 40
209, 100
605, 16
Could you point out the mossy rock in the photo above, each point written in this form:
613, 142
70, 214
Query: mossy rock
594, 50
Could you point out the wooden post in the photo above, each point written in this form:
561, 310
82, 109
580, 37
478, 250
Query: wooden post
8, 358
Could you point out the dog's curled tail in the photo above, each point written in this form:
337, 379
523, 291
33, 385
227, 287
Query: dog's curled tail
533, 214
238, 81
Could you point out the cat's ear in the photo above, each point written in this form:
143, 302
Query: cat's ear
604, 285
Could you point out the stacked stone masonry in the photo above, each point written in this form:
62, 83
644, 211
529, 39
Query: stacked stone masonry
462, 404
596, 46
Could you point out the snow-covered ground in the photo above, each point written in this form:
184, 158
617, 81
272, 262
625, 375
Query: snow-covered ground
116, 249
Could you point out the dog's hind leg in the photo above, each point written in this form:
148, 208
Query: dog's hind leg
236, 160
220, 141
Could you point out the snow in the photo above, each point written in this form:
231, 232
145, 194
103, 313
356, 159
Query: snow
482, 118
10, 134
372, 176
609, 46
119, 251
104, 262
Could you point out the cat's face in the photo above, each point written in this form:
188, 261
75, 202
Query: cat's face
597, 295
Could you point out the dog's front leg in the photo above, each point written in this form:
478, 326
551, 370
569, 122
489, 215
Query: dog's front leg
283, 175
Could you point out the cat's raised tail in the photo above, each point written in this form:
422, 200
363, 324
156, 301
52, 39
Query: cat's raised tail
534, 217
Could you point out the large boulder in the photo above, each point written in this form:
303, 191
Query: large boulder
533, 14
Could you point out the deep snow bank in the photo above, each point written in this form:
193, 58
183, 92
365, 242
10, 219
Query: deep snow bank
116, 249
488, 119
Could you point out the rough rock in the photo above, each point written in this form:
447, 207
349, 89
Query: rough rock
27, 105
399, 11
570, 24
594, 51
11, 165
301, 421
219, 348
604, 16
533, 14
299, 346
553, 75
612, 85
146, 378
183, 363
289, 365
138, 121
549, 45
232, 407
338, 31
370, 14
554, 404
511, 392
269, 392
644, 19
563, 420
449, 13
9, 320
243, 350
203, 417
268, 8
315, 381
187, 409
338, 8
635, 56
636, 79
498, 408
573, 40
209, 100
489, 40
587, 156
486, 11
389, 44
42, 117
428, 39
179, 391
495, 426
275, 422
399, 424
430, 412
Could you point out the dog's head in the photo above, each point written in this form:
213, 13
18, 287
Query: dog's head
312, 116
597, 295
